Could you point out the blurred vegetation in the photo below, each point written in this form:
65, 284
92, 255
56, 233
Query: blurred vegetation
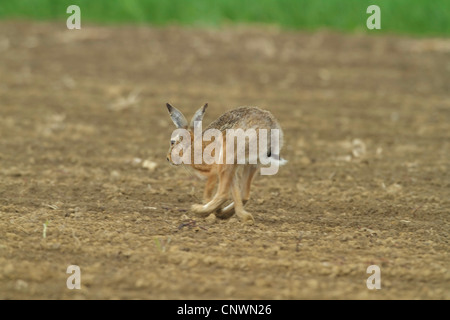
421, 17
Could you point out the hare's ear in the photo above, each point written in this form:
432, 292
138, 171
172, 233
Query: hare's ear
198, 116
177, 117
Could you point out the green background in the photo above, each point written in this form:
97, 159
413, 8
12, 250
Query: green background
420, 17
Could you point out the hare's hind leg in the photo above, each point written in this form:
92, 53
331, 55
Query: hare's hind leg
245, 182
209, 188
226, 212
226, 174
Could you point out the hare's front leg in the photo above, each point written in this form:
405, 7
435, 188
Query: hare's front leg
247, 179
226, 174
238, 204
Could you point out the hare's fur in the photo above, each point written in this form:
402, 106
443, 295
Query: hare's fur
230, 178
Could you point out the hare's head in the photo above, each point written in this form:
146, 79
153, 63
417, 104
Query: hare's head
184, 133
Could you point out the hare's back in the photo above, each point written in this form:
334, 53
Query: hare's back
245, 118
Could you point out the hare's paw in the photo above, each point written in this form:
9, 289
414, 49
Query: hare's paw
200, 210
245, 216
224, 214
197, 208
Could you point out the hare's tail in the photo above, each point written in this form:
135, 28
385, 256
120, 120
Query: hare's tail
276, 159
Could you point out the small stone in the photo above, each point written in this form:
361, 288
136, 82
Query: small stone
150, 165
233, 220
140, 283
115, 175
359, 148
136, 161
260, 201
211, 218
21, 285
394, 188
379, 151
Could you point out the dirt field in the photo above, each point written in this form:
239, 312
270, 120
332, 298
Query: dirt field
83, 139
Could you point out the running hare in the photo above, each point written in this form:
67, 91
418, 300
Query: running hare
236, 176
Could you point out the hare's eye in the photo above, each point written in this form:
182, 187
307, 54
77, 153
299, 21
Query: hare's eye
172, 142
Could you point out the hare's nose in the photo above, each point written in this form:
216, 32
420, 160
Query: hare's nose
168, 159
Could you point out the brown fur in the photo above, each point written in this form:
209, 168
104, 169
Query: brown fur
233, 178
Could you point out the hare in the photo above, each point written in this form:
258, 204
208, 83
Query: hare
232, 178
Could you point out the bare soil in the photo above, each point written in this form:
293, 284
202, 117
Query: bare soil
83, 139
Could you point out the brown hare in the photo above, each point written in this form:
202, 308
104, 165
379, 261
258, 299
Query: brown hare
233, 177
